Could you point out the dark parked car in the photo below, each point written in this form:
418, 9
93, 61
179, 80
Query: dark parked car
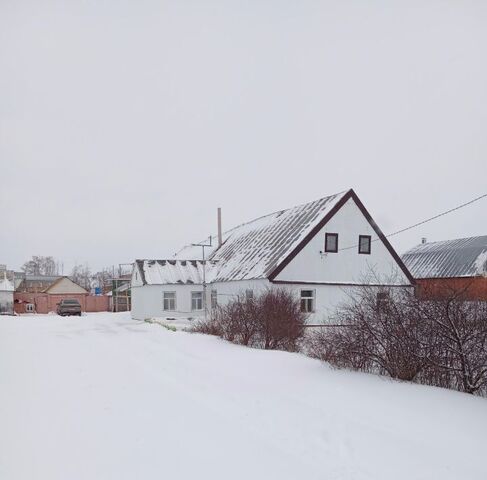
69, 306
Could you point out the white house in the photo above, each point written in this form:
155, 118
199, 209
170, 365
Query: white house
319, 250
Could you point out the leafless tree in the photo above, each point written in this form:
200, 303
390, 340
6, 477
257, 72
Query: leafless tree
40, 265
81, 274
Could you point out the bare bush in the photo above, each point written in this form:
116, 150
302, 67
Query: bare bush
272, 321
457, 343
391, 332
377, 331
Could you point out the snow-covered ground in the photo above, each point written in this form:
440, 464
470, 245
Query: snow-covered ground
104, 397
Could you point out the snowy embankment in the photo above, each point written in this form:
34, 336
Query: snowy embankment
104, 397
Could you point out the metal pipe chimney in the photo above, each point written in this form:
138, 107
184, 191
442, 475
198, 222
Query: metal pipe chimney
220, 241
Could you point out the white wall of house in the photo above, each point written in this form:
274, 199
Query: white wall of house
6, 301
326, 297
227, 291
147, 301
346, 266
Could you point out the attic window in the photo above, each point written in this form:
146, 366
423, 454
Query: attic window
364, 244
331, 242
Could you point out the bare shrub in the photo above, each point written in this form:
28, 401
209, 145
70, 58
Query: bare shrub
280, 321
457, 343
272, 321
377, 331
441, 342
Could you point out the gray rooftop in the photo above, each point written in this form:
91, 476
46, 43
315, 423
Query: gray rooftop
254, 249
463, 257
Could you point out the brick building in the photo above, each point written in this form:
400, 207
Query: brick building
441, 268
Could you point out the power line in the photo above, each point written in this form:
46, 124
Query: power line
424, 221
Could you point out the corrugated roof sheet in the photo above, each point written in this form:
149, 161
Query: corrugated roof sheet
160, 272
254, 249
37, 283
463, 257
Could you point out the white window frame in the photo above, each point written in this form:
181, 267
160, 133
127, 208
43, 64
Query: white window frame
30, 308
169, 300
195, 300
307, 299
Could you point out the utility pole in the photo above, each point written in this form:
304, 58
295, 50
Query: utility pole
203, 245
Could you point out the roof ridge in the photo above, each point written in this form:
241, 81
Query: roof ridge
451, 240
286, 209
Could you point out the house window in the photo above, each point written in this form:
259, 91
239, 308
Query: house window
214, 299
331, 242
29, 307
307, 301
169, 301
364, 244
382, 300
249, 294
196, 301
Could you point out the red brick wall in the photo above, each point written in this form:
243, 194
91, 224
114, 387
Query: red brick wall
471, 288
45, 303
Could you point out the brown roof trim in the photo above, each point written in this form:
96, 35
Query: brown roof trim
350, 194
339, 284
379, 233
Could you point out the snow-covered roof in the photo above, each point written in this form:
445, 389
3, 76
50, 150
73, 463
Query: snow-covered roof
37, 283
463, 257
254, 249
160, 272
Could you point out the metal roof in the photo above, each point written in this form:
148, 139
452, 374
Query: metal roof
160, 272
37, 283
254, 249
463, 257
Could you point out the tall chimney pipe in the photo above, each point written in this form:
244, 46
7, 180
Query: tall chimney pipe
219, 227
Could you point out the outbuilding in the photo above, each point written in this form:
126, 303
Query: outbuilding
452, 266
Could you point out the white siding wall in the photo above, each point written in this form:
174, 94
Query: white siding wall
147, 301
6, 301
228, 291
346, 266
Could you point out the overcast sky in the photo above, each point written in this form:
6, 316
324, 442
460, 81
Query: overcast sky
125, 124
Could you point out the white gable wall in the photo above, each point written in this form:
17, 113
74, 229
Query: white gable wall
346, 266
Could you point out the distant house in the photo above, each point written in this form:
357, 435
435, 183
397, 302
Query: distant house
318, 251
6, 296
41, 294
453, 265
